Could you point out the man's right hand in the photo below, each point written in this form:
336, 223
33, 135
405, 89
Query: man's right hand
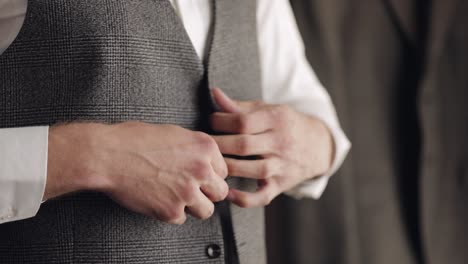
161, 171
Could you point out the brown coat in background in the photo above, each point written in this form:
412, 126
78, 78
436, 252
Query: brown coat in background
398, 74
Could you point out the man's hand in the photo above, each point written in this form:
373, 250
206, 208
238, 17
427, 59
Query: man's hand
292, 147
157, 170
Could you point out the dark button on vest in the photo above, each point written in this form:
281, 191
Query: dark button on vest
213, 251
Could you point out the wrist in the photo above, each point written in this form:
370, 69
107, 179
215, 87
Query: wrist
94, 167
73, 160
325, 146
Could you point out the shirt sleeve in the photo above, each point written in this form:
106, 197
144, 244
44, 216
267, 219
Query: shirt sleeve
288, 78
23, 166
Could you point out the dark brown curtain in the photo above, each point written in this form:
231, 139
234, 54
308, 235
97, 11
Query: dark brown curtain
367, 63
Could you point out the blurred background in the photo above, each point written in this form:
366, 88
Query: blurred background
397, 73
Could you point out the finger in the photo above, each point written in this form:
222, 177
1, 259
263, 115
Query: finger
224, 102
172, 215
240, 123
177, 221
246, 145
216, 189
254, 169
202, 208
262, 197
218, 164
229, 105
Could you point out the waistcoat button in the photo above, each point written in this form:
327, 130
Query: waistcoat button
213, 251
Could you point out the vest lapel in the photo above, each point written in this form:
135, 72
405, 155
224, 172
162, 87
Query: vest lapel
224, 207
228, 56
226, 60
217, 30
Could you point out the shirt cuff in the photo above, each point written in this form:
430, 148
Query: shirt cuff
314, 188
23, 171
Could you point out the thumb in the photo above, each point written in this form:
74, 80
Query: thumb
225, 103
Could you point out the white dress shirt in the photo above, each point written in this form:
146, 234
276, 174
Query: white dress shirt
287, 79
12, 13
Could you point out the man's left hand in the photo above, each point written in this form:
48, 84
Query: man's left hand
290, 147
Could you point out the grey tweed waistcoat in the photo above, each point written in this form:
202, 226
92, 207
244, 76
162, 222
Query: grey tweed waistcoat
113, 61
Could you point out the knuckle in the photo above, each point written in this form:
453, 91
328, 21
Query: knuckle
173, 216
221, 192
266, 199
243, 203
178, 221
208, 212
206, 142
201, 137
283, 144
267, 170
224, 191
244, 123
244, 145
224, 171
281, 113
189, 193
170, 214
201, 170
216, 196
